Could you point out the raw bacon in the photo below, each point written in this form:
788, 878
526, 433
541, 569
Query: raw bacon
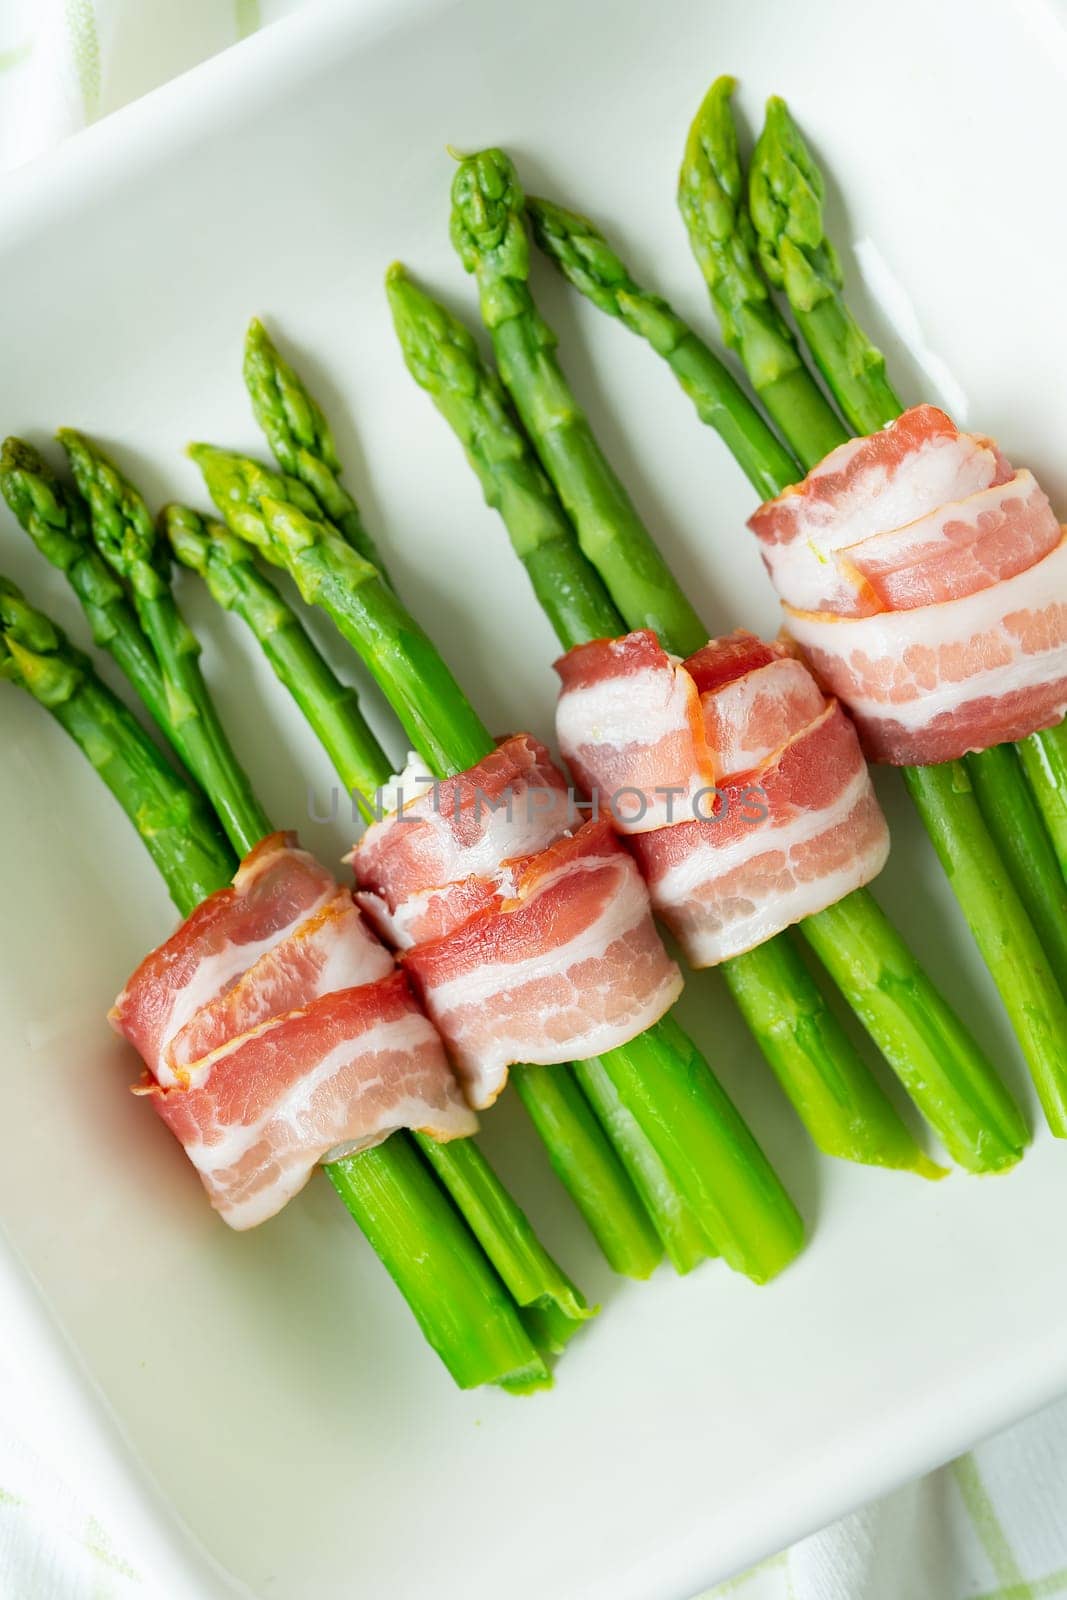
276, 1034
569, 964
311, 1085
790, 822
437, 858
529, 938
924, 579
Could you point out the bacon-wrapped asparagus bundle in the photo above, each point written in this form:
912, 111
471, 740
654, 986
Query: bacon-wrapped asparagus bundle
422, 1240
998, 856
657, 1073
826, 1081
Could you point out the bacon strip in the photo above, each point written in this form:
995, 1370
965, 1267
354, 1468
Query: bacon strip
333, 1078
924, 579
630, 726
931, 684
439, 858
277, 1033
570, 964
793, 824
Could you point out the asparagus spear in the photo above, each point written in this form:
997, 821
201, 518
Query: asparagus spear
828, 1084
872, 985
300, 437
785, 197
56, 520
332, 708
1044, 759
177, 826
489, 232
458, 1300
711, 200
586, 259
741, 1204
126, 538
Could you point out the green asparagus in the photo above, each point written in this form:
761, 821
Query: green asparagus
300, 437
832, 1090
922, 1067
489, 232
126, 537
588, 262
711, 200
56, 519
769, 1233
177, 827
458, 1300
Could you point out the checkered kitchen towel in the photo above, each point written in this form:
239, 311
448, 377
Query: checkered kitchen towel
992, 1526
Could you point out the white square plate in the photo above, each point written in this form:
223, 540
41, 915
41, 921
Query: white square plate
263, 1404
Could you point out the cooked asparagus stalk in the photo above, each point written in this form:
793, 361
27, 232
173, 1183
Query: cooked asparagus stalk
587, 261
56, 519
872, 986
712, 203
489, 233
176, 825
458, 1300
828, 1084
126, 537
741, 1203
300, 437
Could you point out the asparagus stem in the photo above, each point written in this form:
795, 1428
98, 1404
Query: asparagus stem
588, 1164
785, 199
420, 687
300, 437
838, 1100
1044, 759
126, 538
700, 1136
56, 520
489, 232
258, 507
331, 707
443, 358
1003, 932
710, 197
825, 1079
786, 194
531, 1276
675, 1222
528, 1272
442, 728
1016, 825
919, 1034
589, 263
461, 1306
177, 827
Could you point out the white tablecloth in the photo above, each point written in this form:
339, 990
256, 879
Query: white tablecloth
992, 1526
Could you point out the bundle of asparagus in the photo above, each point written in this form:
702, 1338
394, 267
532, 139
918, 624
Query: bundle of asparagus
485, 1292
